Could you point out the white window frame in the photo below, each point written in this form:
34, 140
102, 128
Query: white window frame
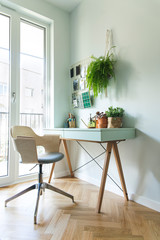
15, 17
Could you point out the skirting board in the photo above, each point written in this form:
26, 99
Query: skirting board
58, 174
145, 202
112, 188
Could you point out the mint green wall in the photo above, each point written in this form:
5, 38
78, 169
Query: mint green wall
136, 35
61, 51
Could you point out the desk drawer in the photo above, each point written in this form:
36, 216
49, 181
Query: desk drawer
82, 135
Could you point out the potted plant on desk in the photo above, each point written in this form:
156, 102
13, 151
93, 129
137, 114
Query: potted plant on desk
115, 117
101, 120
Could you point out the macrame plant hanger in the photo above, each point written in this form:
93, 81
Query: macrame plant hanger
108, 47
108, 42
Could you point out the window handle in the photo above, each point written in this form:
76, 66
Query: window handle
13, 97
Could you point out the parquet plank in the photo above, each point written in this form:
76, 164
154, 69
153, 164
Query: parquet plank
70, 230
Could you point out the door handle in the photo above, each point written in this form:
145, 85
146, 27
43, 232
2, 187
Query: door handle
13, 97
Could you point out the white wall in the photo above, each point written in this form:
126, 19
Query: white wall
136, 35
61, 51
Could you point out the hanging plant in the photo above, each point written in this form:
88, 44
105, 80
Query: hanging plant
99, 73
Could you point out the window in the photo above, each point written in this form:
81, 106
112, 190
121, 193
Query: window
24, 69
32, 65
32, 78
3, 89
29, 92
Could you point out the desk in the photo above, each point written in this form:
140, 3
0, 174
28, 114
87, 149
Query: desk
111, 136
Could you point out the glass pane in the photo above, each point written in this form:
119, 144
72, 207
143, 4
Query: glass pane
31, 80
32, 40
4, 93
4, 27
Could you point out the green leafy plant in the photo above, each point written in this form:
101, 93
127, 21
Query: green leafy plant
99, 72
115, 112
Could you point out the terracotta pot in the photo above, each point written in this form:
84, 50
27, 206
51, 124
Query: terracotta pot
114, 122
101, 122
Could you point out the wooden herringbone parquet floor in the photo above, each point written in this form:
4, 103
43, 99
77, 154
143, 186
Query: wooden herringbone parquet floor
59, 218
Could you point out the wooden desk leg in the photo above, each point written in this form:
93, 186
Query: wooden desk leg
51, 173
67, 156
119, 167
104, 176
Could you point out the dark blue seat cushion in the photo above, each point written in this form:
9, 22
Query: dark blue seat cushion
50, 157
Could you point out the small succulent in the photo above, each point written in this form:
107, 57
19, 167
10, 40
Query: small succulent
115, 112
100, 115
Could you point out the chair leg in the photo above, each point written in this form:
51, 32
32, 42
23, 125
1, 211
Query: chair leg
42, 189
21, 193
37, 202
52, 188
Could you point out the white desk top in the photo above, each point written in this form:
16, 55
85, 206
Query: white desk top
93, 134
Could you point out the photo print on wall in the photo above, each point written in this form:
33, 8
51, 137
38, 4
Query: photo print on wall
72, 72
75, 85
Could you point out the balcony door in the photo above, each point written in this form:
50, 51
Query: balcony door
4, 92
23, 86
32, 80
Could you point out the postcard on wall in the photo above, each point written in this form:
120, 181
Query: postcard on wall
75, 85
82, 84
83, 71
78, 70
75, 100
80, 101
72, 72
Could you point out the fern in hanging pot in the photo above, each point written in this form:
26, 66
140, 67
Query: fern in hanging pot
99, 73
